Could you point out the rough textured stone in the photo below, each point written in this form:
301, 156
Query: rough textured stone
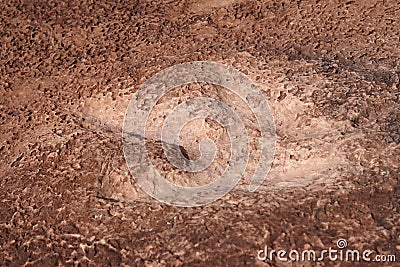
329, 70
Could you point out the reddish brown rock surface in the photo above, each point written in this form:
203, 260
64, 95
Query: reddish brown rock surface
329, 70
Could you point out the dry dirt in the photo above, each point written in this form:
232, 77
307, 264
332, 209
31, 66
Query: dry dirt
330, 71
